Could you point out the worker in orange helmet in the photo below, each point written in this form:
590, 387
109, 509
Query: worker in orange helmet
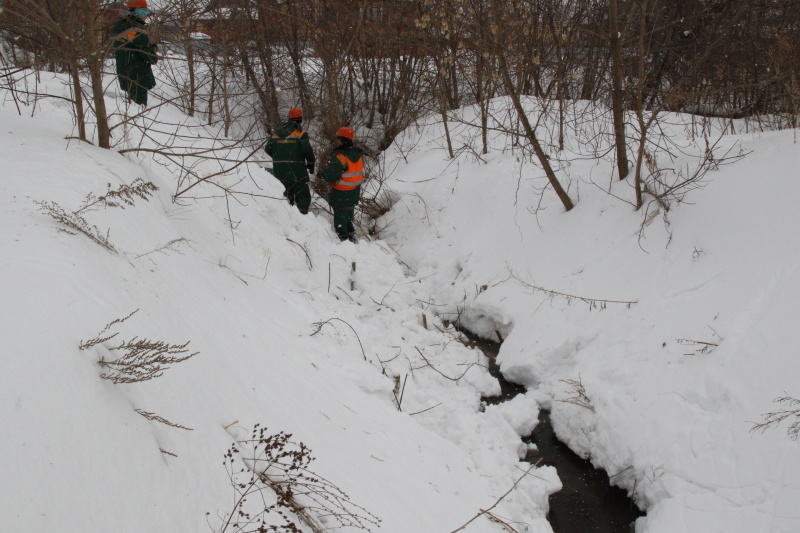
292, 159
345, 173
134, 53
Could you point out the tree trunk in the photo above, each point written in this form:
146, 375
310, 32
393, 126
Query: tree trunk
482, 99
213, 65
192, 82
530, 134
94, 60
617, 77
80, 116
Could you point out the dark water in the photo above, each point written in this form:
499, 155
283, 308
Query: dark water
587, 503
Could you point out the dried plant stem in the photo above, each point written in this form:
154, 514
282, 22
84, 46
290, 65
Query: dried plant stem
319, 326
124, 195
76, 222
592, 302
156, 418
100, 338
500, 499
579, 396
774, 418
308, 257
273, 463
143, 360
429, 364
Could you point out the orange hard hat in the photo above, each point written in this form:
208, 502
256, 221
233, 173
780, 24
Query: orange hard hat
345, 132
295, 112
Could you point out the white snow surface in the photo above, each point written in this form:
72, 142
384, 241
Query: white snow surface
248, 282
673, 382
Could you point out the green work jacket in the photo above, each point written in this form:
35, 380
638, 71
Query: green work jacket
134, 53
291, 153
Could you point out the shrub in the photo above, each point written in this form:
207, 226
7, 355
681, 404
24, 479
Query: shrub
275, 465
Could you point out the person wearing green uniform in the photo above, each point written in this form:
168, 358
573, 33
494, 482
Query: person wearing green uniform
134, 53
292, 159
345, 173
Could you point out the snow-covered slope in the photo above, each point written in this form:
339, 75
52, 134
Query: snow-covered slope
680, 335
675, 337
246, 281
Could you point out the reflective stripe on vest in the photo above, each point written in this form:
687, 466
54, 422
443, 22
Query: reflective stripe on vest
353, 175
296, 135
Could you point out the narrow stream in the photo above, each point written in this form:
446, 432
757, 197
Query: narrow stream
587, 503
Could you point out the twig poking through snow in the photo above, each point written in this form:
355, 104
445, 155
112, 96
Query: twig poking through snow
319, 326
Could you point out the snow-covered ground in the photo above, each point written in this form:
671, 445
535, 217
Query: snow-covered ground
289, 337
247, 281
663, 392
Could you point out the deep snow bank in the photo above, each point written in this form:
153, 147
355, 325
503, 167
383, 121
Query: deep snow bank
662, 393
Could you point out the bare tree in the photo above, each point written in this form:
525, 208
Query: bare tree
503, 25
64, 37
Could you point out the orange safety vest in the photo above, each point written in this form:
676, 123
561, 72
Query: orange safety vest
353, 174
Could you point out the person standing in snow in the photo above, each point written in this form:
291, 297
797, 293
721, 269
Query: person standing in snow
134, 52
292, 159
345, 173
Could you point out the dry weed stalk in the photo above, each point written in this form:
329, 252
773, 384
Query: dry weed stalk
429, 364
775, 418
319, 326
172, 246
76, 222
579, 396
142, 360
276, 464
593, 303
124, 195
102, 337
493, 517
152, 416
701, 347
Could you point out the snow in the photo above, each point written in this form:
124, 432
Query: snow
248, 300
669, 420
289, 337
